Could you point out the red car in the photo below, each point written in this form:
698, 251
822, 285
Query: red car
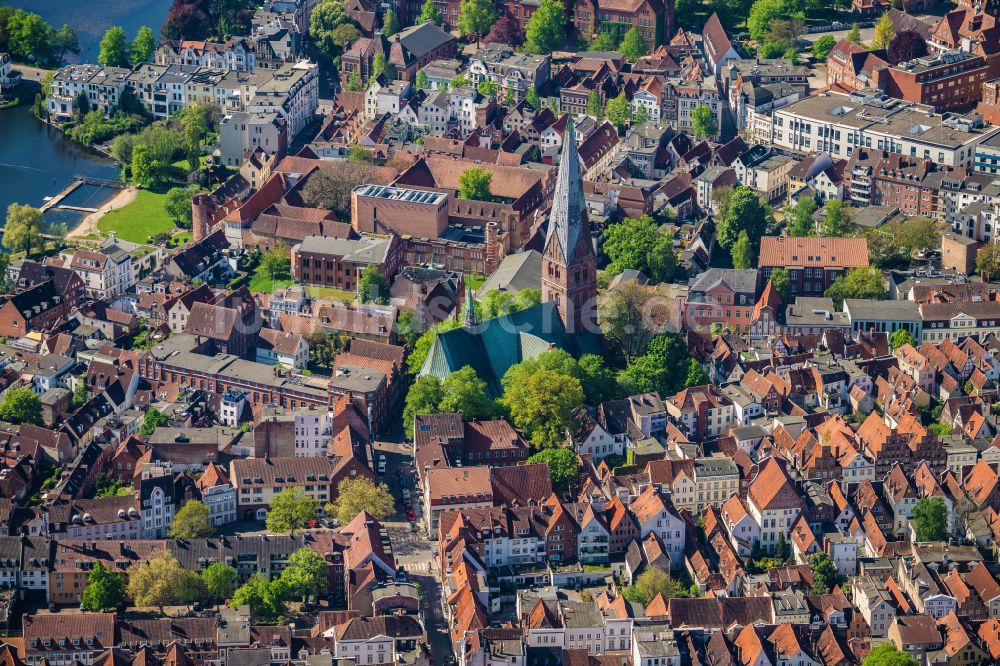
312, 523
410, 515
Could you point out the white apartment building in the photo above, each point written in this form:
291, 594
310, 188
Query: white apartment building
837, 124
236, 54
293, 91
774, 504
108, 271
313, 431
103, 87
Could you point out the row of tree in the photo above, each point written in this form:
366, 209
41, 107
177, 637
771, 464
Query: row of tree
117, 51
208, 19
163, 581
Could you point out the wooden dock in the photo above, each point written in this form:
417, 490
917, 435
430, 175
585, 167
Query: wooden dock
56, 201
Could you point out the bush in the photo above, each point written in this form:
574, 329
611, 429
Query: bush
95, 128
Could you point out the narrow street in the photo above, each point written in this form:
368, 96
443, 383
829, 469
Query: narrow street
413, 550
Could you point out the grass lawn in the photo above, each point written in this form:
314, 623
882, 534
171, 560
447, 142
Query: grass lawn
263, 282
328, 293
180, 238
140, 220
474, 281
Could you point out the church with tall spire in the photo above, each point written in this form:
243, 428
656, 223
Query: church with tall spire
569, 265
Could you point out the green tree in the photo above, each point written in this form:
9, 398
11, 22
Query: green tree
474, 184
64, 39
531, 97
696, 375
423, 397
854, 34
900, 338
546, 28
597, 380
143, 46
836, 221
800, 220
28, 35
265, 598
21, 405
219, 580
475, 17
162, 581
594, 107
605, 40
564, 466
618, 111
633, 46
862, 282
703, 123
422, 80
305, 575
639, 244
372, 286
930, 519
487, 87
141, 166
641, 115
824, 573
743, 251
886, 654
177, 205
81, 105
782, 282
987, 260
540, 404
114, 48
79, 393
884, 31
343, 36
361, 494
193, 521
651, 582
326, 23
105, 590
821, 47
23, 228
742, 211
430, 12
152, 420
276, 263
781, 550
290, 510
464, 392
390, 23
381, 65
762, 14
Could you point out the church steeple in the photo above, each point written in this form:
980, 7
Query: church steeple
569, 266
469, 316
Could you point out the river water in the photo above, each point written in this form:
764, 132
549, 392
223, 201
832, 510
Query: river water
37, 161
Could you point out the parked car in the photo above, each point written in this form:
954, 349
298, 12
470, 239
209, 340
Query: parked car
406, 494
413, 526
313, 523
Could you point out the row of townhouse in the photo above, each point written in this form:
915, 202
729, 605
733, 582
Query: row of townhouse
292, 91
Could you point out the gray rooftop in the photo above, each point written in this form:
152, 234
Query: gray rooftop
872, 310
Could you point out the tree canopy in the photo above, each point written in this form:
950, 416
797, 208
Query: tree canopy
162, 581
474, 184
651, 582
546, 28
799, 218
886, 654
21, 405
862, 282
475, 17
633, 46
143, 46
824, 573
23, 228
305, 574
641, 245
219, 580
884, 32
541, 403
430, 12
930, 519
290, 510
105, 590
265, 598
193, 521
372, 286
114, 48
741, 210
564, 466
361, 494
900, 338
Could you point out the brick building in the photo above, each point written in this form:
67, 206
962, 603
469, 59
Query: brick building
408, 51
721, 296
654, 19
850, 66
944, 81
33, 309
338, 262
813, 263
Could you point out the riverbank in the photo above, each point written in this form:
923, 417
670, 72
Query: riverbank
88, 226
